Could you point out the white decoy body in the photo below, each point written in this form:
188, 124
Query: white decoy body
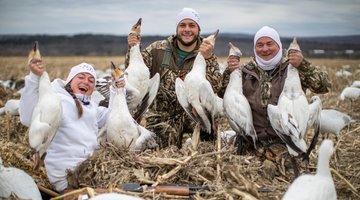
121, 129
351, 93
355, 84
114, 196
333, 121
195, 93
315, 187
141, 90
290, 117
14, 181
46, 116
236, 106
11, 107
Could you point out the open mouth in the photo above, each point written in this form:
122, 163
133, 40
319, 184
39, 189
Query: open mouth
83, 89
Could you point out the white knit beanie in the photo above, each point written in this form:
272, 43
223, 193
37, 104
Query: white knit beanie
266, 31
80, 68
188, 13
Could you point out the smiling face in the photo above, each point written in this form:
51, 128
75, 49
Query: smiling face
266, 48
187, 32
83, 83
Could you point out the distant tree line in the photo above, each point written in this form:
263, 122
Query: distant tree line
110, 45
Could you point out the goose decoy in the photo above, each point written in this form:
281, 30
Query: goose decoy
236, 106
290, 117
10, 110
140, 88
121, 129
315, 187
333, 121
195, 93
46, 116
17, 183
355, 84
351, 93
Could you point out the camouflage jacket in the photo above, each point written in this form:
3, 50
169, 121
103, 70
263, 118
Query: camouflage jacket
261, 88
160, 56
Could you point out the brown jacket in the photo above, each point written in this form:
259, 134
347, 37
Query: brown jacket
262, 89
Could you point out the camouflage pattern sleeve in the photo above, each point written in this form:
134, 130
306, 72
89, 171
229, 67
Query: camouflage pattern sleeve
127, 57
313, 78
213, 74
224, 82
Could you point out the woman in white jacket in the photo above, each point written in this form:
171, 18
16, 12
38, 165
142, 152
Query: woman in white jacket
76, 137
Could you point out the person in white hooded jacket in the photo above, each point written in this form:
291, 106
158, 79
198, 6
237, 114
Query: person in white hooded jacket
76, 137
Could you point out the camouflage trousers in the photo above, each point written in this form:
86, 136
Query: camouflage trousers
169, 127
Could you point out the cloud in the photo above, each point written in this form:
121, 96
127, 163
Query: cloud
290, 18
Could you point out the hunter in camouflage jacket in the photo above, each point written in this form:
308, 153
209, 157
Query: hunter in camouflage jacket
262, 88
166, 116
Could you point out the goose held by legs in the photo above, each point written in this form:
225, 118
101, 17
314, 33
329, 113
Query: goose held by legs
195, 93
236, 106
46, 116
121, 129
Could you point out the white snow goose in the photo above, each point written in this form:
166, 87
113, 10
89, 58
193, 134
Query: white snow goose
351, 93
195, 93
46, 115
236, 106
290, 117
355, 84
319, 186
333, 121
17, 183
141, 89
121, 129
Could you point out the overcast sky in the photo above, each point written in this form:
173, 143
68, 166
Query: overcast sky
290, 18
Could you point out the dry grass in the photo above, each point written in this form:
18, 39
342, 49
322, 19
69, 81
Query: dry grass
241, 176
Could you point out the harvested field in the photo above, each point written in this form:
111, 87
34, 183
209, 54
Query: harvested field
227, 175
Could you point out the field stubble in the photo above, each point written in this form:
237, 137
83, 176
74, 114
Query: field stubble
15, 151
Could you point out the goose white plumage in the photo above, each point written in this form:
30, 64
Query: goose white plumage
14, 181
333, 121
355, 84
351, 93
11, 107
236, 106
315, 107
121, 129
195, 93
141, 89
290, 117
46, 115
315, 187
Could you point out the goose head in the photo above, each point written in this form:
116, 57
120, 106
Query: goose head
234, 51
117, 74
34, 52
212, 37
293, 46
136, 28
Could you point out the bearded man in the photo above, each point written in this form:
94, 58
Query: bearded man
172, 58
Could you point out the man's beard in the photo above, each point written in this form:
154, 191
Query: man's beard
187, 44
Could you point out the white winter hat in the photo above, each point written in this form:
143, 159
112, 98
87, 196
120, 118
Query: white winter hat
80, 68
188, 13
266, 31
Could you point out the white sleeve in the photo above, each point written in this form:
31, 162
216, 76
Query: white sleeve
28, 99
